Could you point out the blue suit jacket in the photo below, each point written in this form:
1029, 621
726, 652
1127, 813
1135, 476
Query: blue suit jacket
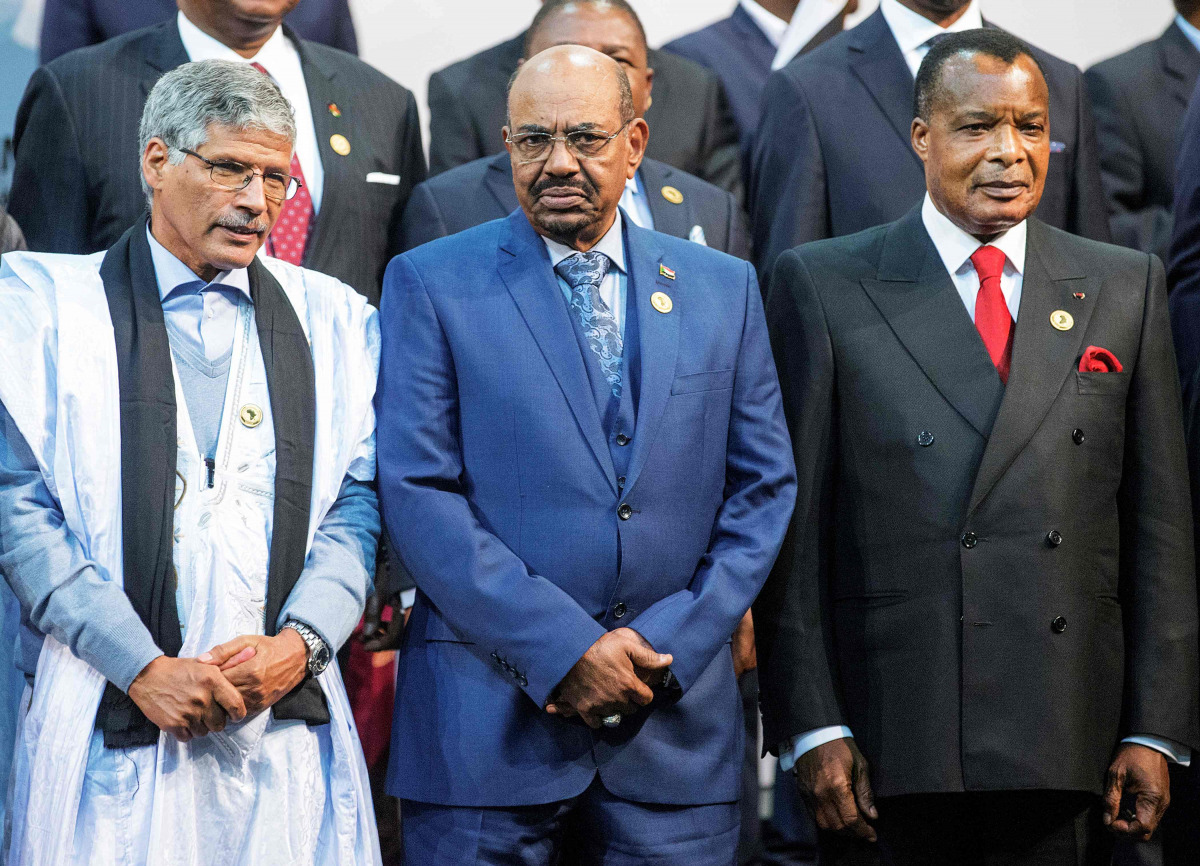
71, 24
498, 481
740, 54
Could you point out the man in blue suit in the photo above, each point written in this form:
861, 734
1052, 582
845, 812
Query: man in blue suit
71, 24
586, 471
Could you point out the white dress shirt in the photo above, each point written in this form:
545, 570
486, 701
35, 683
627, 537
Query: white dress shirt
913, 31
281, 59
772, 26
955, 247
613, 287
1189, 30
633, 199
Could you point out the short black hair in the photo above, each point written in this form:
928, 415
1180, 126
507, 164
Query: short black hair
1187, 7
988, 41
550, 7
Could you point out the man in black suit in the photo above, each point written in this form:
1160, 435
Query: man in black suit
75, 184
71, 24
831, 156
694, 127
986, 609
1139, 99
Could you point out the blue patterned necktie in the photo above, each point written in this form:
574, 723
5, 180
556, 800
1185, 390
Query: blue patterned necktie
584, 272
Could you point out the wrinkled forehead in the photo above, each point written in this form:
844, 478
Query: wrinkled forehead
975, 82
557, 97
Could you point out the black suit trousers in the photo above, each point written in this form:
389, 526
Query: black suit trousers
1003, 828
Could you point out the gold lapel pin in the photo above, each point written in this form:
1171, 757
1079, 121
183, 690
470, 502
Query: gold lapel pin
661, 302
340, 144
672, 195
1062, 320
334, 110
251, 415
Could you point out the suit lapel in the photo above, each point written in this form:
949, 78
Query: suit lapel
1043, 357
338, 170
921, 305
658, 338
1181, 63
164, 52
670, 219
499, 181
880, 66
524, 265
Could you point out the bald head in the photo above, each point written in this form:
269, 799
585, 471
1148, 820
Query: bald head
564, 68
574, 140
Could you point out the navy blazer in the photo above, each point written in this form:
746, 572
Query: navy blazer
481, 191
1140, 98
71, 24
498, 484
833, 153
740, 54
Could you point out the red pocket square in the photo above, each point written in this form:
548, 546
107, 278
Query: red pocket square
1097, 360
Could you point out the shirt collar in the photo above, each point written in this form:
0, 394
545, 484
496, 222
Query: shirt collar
1189, 30
633, 186
173, 275
955, 246
912, 30
200, 46
772, 26
612, 245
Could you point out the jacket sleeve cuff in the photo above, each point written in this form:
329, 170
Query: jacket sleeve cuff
790, 752
1176, 753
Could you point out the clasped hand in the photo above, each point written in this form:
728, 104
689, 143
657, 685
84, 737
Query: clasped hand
191, 698
614, 676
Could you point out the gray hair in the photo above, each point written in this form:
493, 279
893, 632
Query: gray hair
193, 96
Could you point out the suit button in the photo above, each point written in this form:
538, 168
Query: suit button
523, 682
621, 483
624, 512
622, 439
496, 656
1059, 625
924, 438
969, 540
1077, 436
1054, 538
619, 609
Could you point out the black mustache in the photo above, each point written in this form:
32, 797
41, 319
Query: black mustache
541, 186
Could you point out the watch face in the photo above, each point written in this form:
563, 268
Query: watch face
319, 660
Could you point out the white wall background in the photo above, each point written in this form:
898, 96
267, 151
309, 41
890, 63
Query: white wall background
409, 39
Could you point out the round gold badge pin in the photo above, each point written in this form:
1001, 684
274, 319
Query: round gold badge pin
672, 195
251, 415
1062, 320
661, 302
340, 144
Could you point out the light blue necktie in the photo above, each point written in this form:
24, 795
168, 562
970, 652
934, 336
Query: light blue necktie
584, 272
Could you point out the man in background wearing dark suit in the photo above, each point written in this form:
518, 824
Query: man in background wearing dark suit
71, 24
985, 612
1139, 99
358, 149
658, 197
741, 48
694, 127
832, 154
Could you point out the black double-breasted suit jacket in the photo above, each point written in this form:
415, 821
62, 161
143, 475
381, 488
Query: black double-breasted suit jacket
990, 585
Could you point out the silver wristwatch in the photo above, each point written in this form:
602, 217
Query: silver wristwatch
318, 651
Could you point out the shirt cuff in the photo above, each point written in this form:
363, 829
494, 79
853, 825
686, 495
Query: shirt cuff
408, 598
797, 746
1176, 753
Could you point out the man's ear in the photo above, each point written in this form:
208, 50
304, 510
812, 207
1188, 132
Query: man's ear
155, 158
639, 136
920, 138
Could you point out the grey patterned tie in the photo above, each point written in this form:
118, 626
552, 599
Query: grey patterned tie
584, 272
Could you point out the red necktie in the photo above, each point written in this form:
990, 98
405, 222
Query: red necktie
992, 318
288, 238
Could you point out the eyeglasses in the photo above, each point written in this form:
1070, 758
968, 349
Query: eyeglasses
235, 176
583, 143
